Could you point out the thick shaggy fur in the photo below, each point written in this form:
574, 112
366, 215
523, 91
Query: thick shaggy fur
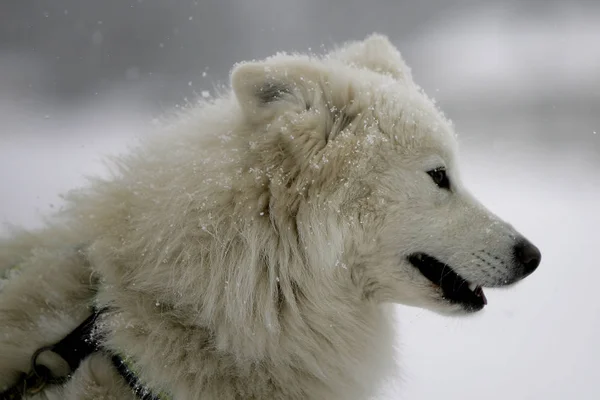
250, 250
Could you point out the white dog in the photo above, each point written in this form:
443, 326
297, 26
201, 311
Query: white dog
250, 250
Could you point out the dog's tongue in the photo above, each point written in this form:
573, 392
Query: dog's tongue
479, 292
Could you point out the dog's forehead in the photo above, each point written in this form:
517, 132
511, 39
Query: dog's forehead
413, 121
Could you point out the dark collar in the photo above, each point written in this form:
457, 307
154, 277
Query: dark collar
74, 348
141, 391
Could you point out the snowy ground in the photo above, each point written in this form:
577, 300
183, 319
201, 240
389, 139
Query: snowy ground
535, 341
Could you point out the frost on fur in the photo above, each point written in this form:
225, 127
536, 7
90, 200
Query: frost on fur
252, 249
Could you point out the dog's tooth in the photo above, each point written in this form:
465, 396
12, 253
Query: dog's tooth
472, 287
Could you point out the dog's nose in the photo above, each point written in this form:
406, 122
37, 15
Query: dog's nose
528, 255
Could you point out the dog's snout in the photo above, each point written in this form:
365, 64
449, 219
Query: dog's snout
528, 256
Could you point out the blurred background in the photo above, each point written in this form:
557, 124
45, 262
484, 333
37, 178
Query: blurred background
520, 79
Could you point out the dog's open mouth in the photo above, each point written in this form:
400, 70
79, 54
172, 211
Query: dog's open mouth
455, 288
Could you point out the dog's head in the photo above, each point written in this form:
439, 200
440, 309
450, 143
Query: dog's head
363, 166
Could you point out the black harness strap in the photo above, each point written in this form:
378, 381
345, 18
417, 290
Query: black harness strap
78, 344
73, 348
132, 380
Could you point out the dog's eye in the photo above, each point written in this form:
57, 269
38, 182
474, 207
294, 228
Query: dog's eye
439, 177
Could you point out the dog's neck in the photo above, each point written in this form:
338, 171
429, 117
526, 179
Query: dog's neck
358, 337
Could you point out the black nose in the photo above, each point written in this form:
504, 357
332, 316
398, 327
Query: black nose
528, 255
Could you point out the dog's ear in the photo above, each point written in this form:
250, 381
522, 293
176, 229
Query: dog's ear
263, 88
376, 53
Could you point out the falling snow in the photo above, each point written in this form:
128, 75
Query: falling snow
567, 200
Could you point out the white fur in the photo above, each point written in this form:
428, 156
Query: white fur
250, 251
